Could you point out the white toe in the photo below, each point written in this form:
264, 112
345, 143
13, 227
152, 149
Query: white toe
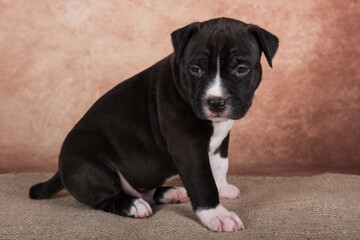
140, 209
219, 219
175, 195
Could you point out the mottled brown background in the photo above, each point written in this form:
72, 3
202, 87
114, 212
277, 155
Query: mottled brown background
58, 57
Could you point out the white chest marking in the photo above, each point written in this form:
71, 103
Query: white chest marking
221, 130
219, 165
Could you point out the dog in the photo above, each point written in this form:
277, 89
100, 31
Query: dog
173, 118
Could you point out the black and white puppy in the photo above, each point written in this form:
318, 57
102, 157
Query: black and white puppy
173, 118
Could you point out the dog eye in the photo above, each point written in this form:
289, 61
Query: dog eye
196, 70
242, 70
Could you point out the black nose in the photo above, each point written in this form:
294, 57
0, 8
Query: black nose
216, 104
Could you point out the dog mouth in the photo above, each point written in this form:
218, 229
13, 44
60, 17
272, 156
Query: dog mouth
217, 116
226, 114
219, 112
218, 119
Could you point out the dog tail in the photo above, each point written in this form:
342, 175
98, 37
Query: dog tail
47, 189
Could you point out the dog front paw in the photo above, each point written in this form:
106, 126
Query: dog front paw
229, 191
219, 219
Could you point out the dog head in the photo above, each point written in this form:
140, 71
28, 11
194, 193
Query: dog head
219, 65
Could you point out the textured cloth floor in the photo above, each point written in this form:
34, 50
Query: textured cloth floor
318, 207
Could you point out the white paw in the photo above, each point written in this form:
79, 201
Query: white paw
175, 195
229, 191
140, 209
219, 219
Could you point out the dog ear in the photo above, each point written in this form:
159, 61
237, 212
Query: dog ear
181, 37
268, 42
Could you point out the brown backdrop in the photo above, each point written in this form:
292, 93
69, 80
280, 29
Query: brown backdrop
58, 57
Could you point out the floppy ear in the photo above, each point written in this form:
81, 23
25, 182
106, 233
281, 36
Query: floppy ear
181, 37
268, 42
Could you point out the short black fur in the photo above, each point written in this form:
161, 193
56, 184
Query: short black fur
152, 126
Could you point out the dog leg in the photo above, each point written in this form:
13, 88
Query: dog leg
219, 163
95, 184
195, 172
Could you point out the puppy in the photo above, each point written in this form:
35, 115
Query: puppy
173, 118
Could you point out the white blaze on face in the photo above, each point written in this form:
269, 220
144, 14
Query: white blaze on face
215, 88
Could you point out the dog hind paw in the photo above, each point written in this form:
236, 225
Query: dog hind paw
168, 195
140, 209
175, 195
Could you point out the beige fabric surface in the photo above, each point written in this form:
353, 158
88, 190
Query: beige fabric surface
317, 207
